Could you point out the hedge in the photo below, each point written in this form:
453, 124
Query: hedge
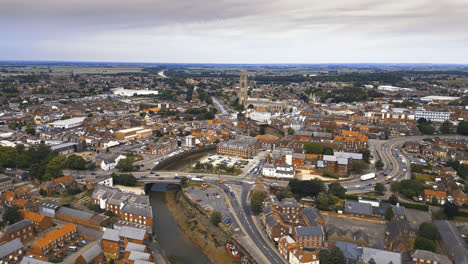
462, 214
421, 207
351, 197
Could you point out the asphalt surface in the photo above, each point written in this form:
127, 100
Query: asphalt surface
245, 217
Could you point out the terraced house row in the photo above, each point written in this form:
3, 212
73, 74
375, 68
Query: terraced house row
132, 208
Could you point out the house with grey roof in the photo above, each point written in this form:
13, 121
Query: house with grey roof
93, 254
135, 247
358, 209
275, 228
312, 217
373, 255
23, 230
424, 256
135, 255
33, 261
93, 220
12, 250
454, 244
49, 208
351, 251
142, 262
133, 233
111, 235
309, 236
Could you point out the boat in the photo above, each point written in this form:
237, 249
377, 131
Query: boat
232, 250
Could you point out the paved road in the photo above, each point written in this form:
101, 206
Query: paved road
244, 217
219, 105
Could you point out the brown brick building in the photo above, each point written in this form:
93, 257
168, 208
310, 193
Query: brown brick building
11, 252
115, 241
82, 218
93, 255
23, 230
242, 146
40, 222
309, 237
54, 240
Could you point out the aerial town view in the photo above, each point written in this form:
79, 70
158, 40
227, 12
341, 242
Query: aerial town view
234, 132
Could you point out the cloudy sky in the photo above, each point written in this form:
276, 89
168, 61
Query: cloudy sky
235, 31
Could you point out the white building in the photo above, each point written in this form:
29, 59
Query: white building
261, 116
191, 141
280, 172
296, 257
68, 123
437, 98
432, 115
132, 92
108, 161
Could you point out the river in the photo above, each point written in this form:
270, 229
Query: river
171, 239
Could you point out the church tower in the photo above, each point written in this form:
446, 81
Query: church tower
243, 88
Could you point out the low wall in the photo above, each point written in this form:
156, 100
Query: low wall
182, 155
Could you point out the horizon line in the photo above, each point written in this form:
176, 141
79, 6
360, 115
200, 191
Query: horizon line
231, 63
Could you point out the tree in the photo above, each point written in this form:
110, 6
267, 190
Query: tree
379, 165
251, 106
75, 162
327, 151
424, 244
109, 213
337, 190
426, 128
30, 130
256, 201
322, 201
143, 114
450, 209
393, 199
324, 256
337, 256
389, 213
409, 188
290, 131
184, 181
379, 188
313, 148
95, 207
262, 130
124, 179
306, 188
462, 128
446, 127
12, 214
125, 164
429, 231
365, 154
359, 166
54, 168
216, 218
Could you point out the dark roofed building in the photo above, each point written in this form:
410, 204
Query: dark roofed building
354, 208
351, 251
309, 237
312, 217
81, 217
424, 257
93, 255
11, 252
23, 230
454, 245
